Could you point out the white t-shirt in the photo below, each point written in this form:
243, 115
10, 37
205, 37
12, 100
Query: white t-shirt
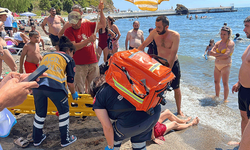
17, 36
9, 20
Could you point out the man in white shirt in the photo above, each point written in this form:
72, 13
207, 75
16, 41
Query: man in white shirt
8, 25
20, 37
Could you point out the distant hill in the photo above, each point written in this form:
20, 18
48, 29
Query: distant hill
108, 5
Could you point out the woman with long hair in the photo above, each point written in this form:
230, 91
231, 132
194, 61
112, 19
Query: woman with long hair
105, 36
114, 28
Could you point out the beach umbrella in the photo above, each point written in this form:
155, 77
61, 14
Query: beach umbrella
27, 14
151, 5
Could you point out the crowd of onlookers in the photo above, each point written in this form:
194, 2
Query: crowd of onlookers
73, 68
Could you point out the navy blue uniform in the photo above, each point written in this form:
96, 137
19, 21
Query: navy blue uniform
61, 70
136, 125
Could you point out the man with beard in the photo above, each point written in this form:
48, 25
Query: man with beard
167, 42
134, 36
54, 22
243, 86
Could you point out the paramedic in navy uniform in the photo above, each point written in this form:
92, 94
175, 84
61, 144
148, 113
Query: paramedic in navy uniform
60, 74
128, 123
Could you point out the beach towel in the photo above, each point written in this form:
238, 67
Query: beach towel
7, 121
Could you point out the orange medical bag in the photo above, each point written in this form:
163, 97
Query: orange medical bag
138, 78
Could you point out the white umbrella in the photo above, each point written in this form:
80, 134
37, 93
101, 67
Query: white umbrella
27, 14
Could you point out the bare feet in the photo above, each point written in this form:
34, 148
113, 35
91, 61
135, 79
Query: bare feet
215, 97
181, 114
158, 141
195, 121
186, 120
233, 143
226, 101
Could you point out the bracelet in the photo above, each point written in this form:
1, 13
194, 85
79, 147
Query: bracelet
153, 139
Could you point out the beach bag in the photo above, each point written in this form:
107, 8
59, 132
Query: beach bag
7, 121
139, 78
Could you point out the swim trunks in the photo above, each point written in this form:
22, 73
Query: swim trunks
244, 99
54, 39
7, 28
130, 48
177, 72
159, 130
30, 67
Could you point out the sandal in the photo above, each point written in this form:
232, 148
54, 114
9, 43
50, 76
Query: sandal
21, 142
29, 138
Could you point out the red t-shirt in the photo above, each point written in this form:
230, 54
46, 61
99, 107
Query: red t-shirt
86, 55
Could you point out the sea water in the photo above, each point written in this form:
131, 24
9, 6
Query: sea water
197, 79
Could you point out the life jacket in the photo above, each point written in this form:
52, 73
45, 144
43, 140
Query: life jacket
139, 78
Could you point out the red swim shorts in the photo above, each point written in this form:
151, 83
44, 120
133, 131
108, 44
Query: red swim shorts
159, 130
30, 67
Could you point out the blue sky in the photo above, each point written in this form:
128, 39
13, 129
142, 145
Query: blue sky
125, 5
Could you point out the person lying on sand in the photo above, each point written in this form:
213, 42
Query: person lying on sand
161, 129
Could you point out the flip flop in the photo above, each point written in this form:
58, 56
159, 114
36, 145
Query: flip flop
29, 138
21, 142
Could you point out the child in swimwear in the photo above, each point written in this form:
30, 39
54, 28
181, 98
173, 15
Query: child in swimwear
209, 47
32, 52
161, 129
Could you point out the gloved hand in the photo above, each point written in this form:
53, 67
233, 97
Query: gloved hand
75, 96
107, 148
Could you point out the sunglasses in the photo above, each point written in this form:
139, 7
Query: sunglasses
225, 28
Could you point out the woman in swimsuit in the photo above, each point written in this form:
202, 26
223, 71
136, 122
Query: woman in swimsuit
223, 51
160, 129
105, 34
4, 52
209, 47
114, 28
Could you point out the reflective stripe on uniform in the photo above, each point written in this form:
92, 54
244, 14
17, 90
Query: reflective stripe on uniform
64, 123
154, 66
40, 119
65, 115
39, 126
141, 146
56, 77
122, 88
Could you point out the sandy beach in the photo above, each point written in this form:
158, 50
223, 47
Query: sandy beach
90, 134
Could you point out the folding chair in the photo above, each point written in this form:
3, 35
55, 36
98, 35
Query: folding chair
14, 50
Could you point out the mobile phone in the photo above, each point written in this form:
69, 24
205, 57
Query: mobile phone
39, 71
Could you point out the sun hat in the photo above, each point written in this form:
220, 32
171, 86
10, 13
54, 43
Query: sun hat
3, 11
74, 17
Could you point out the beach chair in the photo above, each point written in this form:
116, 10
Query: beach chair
14, 50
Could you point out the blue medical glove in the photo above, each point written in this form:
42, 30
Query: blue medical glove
107, 148
75, 96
